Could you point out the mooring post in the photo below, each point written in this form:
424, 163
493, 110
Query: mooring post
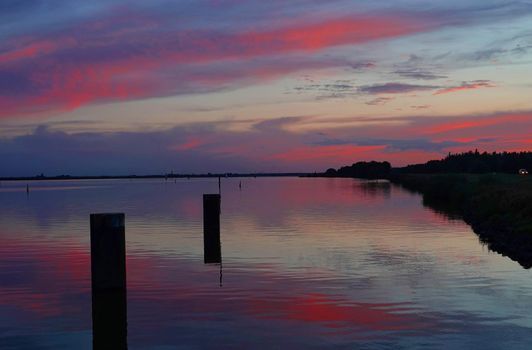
211, 228
219, 185
108, 251
108, 270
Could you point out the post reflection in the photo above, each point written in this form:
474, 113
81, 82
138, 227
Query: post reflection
109, 319
346, 266
212, 248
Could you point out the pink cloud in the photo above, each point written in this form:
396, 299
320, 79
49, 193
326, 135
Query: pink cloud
30, 51
317, 36
191, 143
72, 70
475, 123
478, 84
334, 153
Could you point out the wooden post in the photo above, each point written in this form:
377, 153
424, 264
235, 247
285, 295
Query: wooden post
108, 251
211, 229
108, 269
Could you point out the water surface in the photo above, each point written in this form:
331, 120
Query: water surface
307, 263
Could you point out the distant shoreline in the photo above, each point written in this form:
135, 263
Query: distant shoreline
159, 176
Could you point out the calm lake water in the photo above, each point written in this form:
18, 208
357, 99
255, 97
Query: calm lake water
307, 264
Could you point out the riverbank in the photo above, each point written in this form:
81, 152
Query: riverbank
497, 206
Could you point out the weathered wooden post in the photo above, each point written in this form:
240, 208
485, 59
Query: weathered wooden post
108, 251
211, 229
108, 270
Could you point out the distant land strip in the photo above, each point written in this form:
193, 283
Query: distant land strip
158, 176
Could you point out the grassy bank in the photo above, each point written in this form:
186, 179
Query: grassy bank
497, 206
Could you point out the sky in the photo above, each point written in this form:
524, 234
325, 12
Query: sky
195, 86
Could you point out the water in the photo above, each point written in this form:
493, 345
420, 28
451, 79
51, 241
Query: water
307, 264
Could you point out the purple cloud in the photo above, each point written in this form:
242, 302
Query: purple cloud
394, 88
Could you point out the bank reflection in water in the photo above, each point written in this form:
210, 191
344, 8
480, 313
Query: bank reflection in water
309, 263
374, 188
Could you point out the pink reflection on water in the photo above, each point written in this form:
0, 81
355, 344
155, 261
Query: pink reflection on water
337, 312
164, 290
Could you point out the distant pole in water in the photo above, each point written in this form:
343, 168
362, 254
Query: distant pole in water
219, 185
108, 272
240, 185
27, 188
211, 229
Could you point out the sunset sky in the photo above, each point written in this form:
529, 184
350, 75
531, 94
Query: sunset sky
123, 87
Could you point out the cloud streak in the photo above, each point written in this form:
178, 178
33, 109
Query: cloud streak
127, 58
394, 88
269, 145
394, 57
473, 85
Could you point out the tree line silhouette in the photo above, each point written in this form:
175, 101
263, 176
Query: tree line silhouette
471, 162
366, 170
471, 185
474, 162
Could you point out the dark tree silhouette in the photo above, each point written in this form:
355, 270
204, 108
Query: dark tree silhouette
475, 163
366, 170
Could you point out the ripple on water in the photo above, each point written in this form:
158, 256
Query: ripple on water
306, 263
